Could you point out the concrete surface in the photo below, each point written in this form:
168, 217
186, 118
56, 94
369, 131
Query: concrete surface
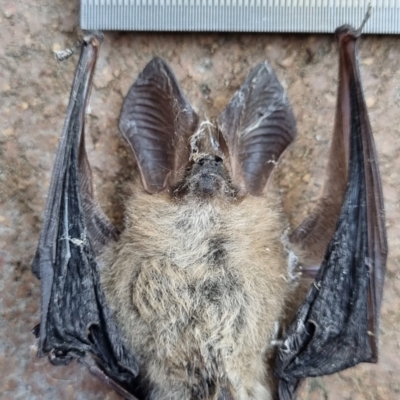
34, 94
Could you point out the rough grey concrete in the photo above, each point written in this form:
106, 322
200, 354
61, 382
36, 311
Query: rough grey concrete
34, 94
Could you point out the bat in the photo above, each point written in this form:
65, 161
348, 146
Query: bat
186, 301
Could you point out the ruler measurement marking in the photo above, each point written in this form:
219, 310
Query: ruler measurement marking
238, 15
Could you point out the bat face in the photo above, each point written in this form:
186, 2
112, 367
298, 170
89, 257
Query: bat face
187, 298
207, 178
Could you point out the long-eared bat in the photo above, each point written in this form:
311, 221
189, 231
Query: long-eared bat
187, 302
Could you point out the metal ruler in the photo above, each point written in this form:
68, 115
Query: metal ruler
239, 15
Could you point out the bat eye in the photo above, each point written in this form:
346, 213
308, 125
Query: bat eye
210, 160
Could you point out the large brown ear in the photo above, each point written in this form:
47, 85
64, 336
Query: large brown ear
157, 121
257, 125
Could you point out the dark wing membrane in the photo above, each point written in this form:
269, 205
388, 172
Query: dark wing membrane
337, 325
157, 121
75, 320
257, 125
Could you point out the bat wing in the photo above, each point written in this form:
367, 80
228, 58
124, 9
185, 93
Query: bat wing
75, 320
257, 125
157, 121
337, 325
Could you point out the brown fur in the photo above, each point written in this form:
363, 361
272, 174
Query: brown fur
196, 285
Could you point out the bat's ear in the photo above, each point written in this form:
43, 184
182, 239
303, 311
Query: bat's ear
257, 125
157, 121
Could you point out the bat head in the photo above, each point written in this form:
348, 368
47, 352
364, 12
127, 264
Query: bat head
207, 175
237, 155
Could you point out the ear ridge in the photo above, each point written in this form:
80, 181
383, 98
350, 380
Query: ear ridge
157, 121
257, 125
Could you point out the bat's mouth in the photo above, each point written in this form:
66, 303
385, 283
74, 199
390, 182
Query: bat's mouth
208, 183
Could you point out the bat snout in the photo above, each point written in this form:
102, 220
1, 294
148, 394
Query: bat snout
208, 176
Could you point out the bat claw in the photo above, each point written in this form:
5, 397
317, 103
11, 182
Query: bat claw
364, 21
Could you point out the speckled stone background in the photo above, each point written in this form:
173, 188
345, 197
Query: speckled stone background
34, 94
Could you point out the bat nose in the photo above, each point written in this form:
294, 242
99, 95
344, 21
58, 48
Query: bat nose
210, 160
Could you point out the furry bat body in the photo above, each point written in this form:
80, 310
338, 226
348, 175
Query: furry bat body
184, 303
193, 307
